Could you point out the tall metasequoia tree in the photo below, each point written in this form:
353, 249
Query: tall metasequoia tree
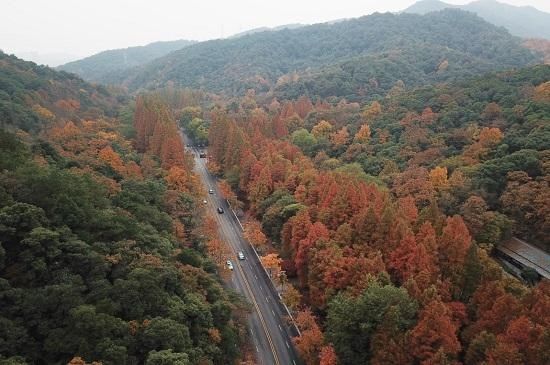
453, 247
297, 228
327, 356
260, 187
157, 132
318, 231
287, 110
279, 127
438, 177
409, 259
435, 330
303, 106
474, 211
310, 342
495, 308
253, 233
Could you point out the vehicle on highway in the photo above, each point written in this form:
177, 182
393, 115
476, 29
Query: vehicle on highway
210, 191
240, 255
229, 265
202, 155
220, 210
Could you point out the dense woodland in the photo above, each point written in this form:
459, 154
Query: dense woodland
102, 66
521, 21
378, 161
32, 96
385, 215
101, 237
355, 58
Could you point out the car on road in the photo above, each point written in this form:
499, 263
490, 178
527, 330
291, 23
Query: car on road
210, 191
204, 201
240, 255
202, 155
229, 265
220, 210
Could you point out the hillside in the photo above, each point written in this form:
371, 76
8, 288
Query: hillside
31, 96
522, 21
449, 44
102, 256
99, 66
267, 29
384, 216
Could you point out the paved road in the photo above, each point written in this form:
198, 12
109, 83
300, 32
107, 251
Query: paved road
269, 330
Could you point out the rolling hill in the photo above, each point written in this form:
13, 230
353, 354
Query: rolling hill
100, 65
267, 29
32, 95
73, 193
413, 48
522, 21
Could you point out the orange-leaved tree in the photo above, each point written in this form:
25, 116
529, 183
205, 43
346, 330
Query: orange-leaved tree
253, 234
311, 341
272, 263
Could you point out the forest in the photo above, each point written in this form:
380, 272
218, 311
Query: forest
366, 55
104, 65
375, 164
385, 216
102, 256
31, 96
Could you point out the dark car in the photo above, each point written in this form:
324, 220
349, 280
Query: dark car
220, 210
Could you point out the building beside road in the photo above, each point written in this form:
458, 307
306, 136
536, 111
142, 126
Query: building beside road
522, 255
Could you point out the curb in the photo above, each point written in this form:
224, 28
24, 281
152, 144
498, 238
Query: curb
265, 271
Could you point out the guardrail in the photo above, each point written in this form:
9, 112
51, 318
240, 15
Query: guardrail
273, 288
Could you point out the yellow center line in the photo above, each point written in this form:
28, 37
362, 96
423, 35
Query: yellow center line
261, 317
262, 320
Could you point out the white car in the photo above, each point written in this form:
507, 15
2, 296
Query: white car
229, 265
204, 201
240, 255
210, 191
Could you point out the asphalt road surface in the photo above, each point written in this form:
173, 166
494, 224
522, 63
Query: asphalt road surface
269, 328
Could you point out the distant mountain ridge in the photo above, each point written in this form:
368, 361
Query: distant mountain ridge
371, 52
522, 21
31, 95
99, 66
267, 29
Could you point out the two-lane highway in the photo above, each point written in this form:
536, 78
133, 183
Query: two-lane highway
269, 328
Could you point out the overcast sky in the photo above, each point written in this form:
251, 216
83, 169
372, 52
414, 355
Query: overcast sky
62, 29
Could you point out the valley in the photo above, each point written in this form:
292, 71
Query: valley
270, 329
341, 189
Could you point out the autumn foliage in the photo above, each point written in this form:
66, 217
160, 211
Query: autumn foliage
339, 230
157, 132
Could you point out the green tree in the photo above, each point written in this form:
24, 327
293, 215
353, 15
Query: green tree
163, 334
167, 357
352, 322
471, 276
305, 140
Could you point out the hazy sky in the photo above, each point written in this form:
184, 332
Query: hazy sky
76, 28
